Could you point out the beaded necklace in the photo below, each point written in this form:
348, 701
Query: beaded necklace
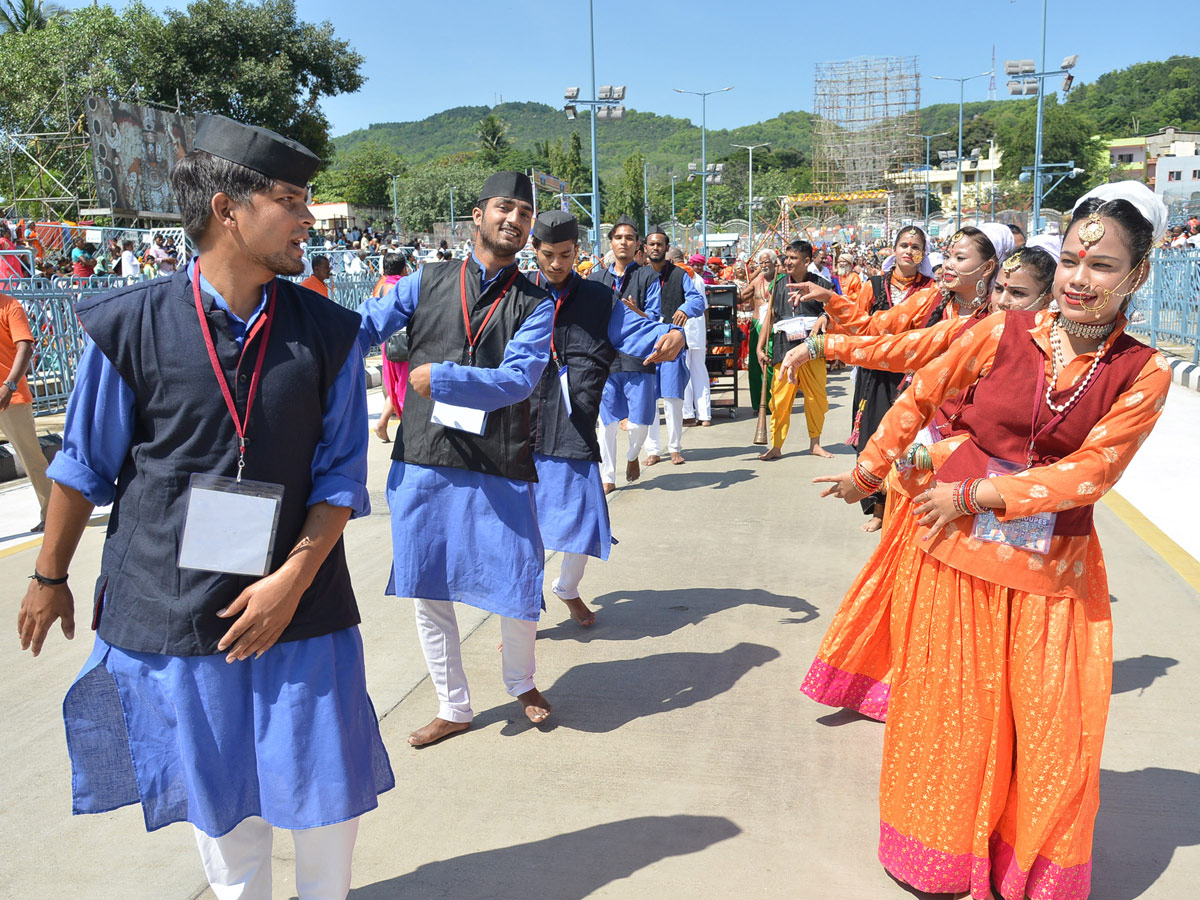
1057, 365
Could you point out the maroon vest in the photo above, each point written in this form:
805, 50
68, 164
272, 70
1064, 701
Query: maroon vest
1001, 416
946, 417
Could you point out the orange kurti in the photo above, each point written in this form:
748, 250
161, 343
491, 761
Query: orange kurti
1001, 658
852, 317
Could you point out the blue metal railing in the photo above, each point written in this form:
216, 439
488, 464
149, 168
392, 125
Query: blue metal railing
59, 338
1167, 308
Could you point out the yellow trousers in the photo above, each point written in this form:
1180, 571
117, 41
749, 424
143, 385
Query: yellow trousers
810, 379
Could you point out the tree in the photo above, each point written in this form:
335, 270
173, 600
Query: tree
1066, 135
363, 176
626, 196
424, 192
491, 138
26, 15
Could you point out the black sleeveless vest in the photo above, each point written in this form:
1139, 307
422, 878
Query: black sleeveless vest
151, 334
436, 334
581, 342
633, 276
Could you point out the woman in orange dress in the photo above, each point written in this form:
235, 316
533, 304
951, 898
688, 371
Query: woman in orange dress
1001, 629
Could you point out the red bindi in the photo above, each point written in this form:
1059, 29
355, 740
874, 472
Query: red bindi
1082, 254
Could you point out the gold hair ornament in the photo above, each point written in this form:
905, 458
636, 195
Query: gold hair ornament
1090, 232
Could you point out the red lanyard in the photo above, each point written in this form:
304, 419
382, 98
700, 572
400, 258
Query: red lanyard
473, 339
264, 325
557, 306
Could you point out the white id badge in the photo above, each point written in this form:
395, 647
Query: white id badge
566, 388
460, 418
796, 328
1026, 533
230, 525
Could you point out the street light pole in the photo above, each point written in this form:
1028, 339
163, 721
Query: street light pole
646, 197
1037, 145
750, 199
961, 87
927, 138
673, 177
395, 208
703, 95
452, 235
595, 170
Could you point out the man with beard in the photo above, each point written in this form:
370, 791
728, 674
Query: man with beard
670, 290
222, 412
590, 325
460, 490
629, 391
811, 377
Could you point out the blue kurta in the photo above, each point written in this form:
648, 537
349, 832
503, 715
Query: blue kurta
290, 736
673, 376
457, 534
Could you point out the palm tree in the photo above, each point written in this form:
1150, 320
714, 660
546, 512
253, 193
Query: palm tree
490, 133
27, 15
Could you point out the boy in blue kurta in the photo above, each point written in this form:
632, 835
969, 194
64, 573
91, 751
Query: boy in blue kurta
590, 326
460, 490
222, 412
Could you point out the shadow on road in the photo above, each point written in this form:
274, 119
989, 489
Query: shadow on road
1144, 816
633, 615
1139, 672
599, 697
564, 867
681, 479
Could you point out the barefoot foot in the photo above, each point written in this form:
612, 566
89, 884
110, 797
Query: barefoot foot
677, 458
817, 450
381, 432
579, 611
435, 731
536, 707
872, 524
653, 460
633, 470
609, 487
773, 453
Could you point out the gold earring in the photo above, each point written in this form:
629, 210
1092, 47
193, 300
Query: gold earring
981, 289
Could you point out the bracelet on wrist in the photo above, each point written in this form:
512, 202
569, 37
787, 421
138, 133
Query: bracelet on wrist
864, 480
47, 582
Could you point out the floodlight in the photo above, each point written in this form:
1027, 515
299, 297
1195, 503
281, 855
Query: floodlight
975, 153
1012, 67
1015, 88
945, 154
691, 167
571, 93
1069, 61
691, 176
605, 92
1068, 80
619, 92
602, 113
1027, 66
1024, 177
720, 167
617, 113
570, 110
1031, 85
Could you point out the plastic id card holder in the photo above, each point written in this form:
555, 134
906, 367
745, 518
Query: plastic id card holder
230, 525
460, 418
1027, 533
796, 328
566, 388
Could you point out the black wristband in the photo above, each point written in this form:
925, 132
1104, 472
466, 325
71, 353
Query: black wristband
48, 582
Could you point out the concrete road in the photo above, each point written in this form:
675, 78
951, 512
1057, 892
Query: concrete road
680, 760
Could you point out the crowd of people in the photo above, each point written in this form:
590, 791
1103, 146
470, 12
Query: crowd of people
222, 410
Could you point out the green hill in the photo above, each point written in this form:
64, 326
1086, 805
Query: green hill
668, 143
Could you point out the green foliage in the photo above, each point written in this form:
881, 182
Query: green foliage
255, 62
26, 15
491, 139
625, 198
1143, 98
424, 192
362, 177
1066, 135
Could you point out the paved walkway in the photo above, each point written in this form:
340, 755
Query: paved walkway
680, 760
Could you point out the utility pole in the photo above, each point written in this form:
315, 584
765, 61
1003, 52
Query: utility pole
750, 198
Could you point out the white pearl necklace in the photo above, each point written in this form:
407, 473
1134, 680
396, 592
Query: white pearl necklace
1057, 365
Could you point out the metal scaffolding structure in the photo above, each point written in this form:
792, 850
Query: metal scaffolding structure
867, 125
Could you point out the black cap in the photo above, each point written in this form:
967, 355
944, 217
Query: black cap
660, 228
624, 220
554, 226
256, 148
507, 184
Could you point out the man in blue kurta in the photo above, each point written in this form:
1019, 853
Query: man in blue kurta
460, 490
672, 292
629, 391
221, 410
590, 325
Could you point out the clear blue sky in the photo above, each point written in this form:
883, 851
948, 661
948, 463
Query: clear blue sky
428, 56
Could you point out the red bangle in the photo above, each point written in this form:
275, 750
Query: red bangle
864, 480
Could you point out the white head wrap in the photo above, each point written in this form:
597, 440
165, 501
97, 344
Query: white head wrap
1051, 243
925, 268
935, 260
1002, 239
1146, 202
